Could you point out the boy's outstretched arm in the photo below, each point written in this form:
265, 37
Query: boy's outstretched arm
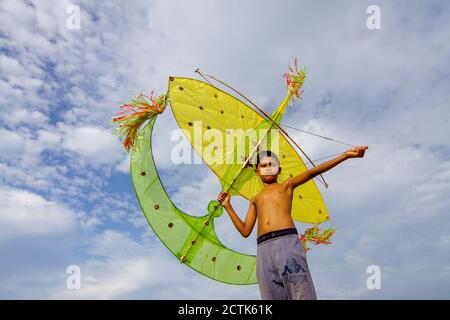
245, 228
356, 152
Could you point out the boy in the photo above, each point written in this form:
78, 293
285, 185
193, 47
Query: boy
281, 267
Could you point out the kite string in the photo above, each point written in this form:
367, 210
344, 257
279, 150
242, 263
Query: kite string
287, 126
267, 117
318, 135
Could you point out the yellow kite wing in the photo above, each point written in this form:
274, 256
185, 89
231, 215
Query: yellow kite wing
205, 111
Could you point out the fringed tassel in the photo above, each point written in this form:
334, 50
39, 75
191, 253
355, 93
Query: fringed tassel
294, 81
316, 237
139, 110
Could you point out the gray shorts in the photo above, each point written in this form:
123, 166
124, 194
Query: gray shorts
282, 270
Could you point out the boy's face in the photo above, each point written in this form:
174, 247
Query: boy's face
268, 169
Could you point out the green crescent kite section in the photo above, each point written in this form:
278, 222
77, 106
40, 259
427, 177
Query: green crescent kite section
189, 238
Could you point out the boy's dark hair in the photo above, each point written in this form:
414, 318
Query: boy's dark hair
266, 153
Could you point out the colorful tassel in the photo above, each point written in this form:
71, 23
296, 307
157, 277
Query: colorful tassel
316, 237
139, 110
294, 81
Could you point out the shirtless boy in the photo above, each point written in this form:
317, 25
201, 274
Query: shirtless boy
281, 267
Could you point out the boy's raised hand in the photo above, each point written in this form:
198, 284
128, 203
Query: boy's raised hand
356, 152
224, 198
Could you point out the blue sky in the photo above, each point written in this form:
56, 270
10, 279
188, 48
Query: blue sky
66, 196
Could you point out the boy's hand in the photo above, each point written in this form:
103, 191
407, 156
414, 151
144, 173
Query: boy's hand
356, 152
224, 199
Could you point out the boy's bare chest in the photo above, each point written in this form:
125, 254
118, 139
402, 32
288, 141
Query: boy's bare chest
275, 195
273, 207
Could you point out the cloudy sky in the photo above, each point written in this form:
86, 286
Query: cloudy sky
66, 196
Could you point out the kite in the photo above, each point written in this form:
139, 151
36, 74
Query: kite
201, 108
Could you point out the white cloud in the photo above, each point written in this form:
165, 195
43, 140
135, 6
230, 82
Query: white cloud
124, 165
24, 214
11, 66
11, 143
23, 147
22, 116
97, 145
48, 138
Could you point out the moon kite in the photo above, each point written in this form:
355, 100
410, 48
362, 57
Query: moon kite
198, 105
